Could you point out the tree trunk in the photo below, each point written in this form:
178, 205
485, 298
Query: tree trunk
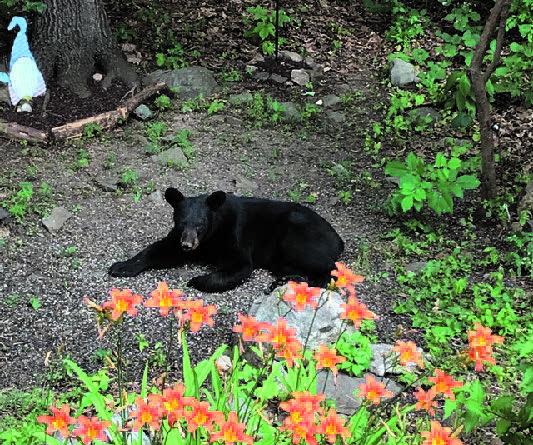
72, 40
479, 78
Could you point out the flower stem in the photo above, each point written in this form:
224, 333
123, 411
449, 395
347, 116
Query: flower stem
120, 379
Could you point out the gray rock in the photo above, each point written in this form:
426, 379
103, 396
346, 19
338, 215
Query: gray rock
291, 112
325, 328
262, 76
244, 185
240, 99
143, 112
278, 79
188, 83
300, 77
58, 217
345, 391
419, 114
330, 101
402, 73
310, 63
291, 56
157, 197
4, 214
416, 266
384, 360
173, 157
107, 183
335, 117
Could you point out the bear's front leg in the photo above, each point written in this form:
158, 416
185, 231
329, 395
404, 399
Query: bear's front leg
222, 280
162, 254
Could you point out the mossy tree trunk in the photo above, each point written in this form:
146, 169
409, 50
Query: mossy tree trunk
72, 40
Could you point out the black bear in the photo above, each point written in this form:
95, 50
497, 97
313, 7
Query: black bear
238, 234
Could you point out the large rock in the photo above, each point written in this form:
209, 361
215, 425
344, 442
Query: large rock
291, 112
324, 329
173, 157
291, 56
385, 360
402, 73
300, 77
58, 217
188, 82
345, 391
143, 112
241, 98
420, 114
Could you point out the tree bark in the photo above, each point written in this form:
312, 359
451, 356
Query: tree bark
72, 40
479, 78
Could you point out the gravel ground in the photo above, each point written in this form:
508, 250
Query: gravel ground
110, 226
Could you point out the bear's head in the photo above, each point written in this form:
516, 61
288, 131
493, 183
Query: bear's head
193, 217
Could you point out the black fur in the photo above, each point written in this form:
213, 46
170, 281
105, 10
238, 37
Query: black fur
237, 235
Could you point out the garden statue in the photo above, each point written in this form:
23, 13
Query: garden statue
24, 79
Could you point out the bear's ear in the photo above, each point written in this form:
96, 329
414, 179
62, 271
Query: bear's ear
215, 200
173, 196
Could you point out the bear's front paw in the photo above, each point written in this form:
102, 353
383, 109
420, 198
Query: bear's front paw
198, 283
124, 269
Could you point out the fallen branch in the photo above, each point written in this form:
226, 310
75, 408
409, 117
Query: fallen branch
20, 132
75, 129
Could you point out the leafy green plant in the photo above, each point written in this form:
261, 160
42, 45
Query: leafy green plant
181, 139
434, 185
231, 76
215, 106
277, 110
172, 58
91, 130
263, 22
355, 347
129, 177
163, 102
18, 204
83, 159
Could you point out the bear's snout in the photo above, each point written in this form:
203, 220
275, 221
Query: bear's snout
189, 239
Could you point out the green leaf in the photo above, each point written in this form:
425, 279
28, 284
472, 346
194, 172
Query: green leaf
502, 426
454, 163
189, 376
468, 182
396, 169
420, 194
503, 405
440, 160
407, 203
527, 382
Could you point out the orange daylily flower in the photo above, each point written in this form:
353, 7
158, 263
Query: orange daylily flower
283, 340
327, 358
197, 314
164, 298
231, 431
373, 391
173, 402
91, 429
291, 352
356, 311
305, 430
480, 342
332, 426
146, 413
58, 421
444, 383
310, 402
250, 328
346, 278
426, 400
200, 416
408, 353
122, 300
439, 436
300, 295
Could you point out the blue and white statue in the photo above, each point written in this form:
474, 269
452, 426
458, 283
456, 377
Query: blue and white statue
24, 79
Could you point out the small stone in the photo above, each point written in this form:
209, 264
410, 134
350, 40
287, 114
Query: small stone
143, 112
331, 100
97, 77
58, 217
129, 47
258, 58
134, 59
173, 157
310, 63
420, 114
261, 76
24, 108
278, 79
300, 77
403, 73
385, 360
291, 112
242, 98
4, 214
157, 197
223, 364
291, 56
335, 117
107, 184
416, 266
